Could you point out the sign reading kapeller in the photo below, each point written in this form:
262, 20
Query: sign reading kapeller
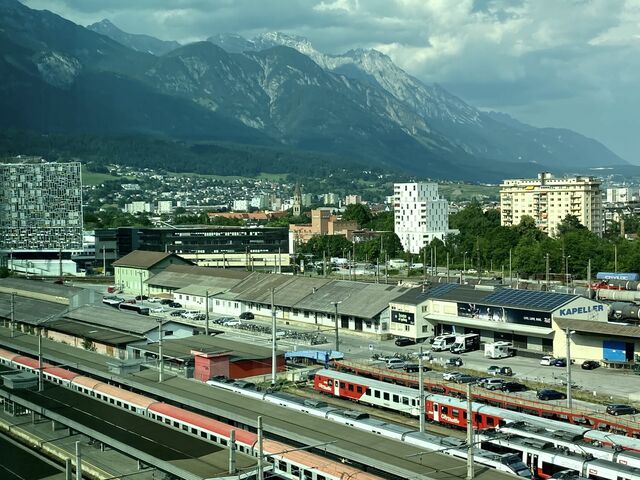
403, 317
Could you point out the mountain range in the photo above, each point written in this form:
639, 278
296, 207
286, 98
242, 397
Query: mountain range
274, 90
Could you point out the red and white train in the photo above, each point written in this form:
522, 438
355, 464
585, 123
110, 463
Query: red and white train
287, 462
448, 410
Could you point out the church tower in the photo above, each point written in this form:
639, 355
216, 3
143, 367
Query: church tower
297, 201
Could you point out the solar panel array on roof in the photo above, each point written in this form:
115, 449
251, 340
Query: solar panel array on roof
442, 289
529, 299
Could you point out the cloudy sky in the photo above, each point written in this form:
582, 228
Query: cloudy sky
559, 63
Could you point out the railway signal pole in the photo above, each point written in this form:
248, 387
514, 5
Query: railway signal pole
274, 356
260, 450
470, 469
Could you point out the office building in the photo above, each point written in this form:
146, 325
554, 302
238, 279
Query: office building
40, 215
420, 215
548, 200
222, 247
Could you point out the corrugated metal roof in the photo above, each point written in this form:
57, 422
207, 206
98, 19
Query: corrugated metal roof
92, 332
182, 348
219, 278
28, 310
288, 290
37, 286
605, 328
364, 300
109, 317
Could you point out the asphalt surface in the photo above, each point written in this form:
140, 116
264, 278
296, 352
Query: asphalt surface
16, 463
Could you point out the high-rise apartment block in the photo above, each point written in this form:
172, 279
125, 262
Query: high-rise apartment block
420, 214
549, 200
40, 206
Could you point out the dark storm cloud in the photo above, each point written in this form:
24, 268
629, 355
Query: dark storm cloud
570, 63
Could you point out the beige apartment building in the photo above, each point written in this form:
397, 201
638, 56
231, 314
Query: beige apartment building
548, 200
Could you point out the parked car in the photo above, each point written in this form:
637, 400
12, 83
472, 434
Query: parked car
618, 409
496, 370
513, 387
426, 355
191, 314
547, 360
453, 362
166, 301
414, 367
177, 313
404, 341
395, 363
159, 309
465, 379
590, 364
493, 383
549, 394
231, 322
175, 304
141, 297
155, 300
246, 316
560, 362
450, 376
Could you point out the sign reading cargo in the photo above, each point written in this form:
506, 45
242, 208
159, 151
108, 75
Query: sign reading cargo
403, 317
505, 315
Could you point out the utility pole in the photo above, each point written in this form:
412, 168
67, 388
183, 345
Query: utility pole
546, 276
589, 277
435, 260
104, 261
40, 366
160, 357
335, 304
568, 333
60, 262
78, 462
13, 314
232, 452
510, 271
386, 270
421, 391
615, 258
447, 267
206, 317
470, 469
274, 357
260, 450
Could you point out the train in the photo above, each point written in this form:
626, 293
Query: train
580, 456
286, 461
450, 411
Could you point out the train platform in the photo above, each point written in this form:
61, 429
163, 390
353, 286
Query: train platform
393, 458
179, 454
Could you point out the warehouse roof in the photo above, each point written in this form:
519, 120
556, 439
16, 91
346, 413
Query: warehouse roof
17, 285
145, 259
413, 296
605, 328
183, 347
29, 310
109, 317
364, 300
92, 332
180, 276
288, 290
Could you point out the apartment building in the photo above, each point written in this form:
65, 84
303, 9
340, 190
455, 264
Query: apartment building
548, 200
420, 214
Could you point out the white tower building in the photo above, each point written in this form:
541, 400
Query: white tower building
420, 214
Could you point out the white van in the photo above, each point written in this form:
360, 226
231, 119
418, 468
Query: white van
442, 342
395, 363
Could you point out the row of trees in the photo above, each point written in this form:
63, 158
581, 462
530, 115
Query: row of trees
483, 244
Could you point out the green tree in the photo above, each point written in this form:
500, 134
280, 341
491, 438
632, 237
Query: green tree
570, 223
358, 212
331, 245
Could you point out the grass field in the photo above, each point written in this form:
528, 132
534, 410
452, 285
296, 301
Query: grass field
464, 191
93, 178
230, 178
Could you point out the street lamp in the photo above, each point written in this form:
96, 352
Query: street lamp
160, 357
568, 334
566, 269
335, 304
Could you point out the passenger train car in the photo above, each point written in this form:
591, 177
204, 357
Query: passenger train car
287, 462
449, 410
